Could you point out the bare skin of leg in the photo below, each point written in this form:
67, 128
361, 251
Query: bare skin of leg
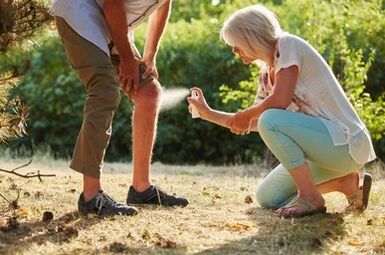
144, 121
347, 185
144, 129
307, 190
91, 187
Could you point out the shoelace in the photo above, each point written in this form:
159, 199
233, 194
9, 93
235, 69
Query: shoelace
101, 200
158, 194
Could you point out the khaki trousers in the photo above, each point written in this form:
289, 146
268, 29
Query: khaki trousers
99, 77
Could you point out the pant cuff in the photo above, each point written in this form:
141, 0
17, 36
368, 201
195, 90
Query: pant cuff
91, 171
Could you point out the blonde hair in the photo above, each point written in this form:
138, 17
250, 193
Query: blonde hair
250, 28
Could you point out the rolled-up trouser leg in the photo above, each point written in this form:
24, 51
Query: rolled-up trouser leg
95, 70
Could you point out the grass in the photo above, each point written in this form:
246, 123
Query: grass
217, 221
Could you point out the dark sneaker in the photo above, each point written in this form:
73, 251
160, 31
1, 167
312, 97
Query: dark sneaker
104, 205
155, 196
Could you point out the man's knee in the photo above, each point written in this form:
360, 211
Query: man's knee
113, 99
149, 96
106, 99
103, 90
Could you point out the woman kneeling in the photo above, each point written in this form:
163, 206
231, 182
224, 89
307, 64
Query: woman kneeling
301, 113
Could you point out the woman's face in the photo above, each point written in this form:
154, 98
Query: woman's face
238, 51
260, 55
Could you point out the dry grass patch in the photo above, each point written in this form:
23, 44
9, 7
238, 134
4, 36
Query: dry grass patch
221, 217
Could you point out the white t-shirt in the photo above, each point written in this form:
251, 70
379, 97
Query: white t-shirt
319, 94
87, 19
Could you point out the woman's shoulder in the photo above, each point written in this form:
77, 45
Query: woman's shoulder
290, 39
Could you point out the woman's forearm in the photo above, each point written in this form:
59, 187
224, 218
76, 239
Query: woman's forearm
254, 125
217, 117
221, 118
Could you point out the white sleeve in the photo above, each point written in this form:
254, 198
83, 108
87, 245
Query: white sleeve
289, 54
261, 92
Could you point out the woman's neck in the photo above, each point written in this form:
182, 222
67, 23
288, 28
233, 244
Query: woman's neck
272, 53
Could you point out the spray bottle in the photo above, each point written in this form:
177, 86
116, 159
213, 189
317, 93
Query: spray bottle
194, 111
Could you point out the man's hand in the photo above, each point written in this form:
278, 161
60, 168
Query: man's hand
151, 69
129, 66
129, 76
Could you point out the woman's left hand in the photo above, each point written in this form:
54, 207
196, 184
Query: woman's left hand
240, 123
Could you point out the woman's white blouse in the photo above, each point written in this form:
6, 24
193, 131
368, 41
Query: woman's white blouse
318, 93
87, 19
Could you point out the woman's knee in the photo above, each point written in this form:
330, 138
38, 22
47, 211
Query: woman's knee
268, 119
265, 196
275, 188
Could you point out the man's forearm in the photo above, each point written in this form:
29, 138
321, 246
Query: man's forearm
156, 27
117, 24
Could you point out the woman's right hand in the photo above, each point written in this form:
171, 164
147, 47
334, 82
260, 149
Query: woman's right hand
199, 103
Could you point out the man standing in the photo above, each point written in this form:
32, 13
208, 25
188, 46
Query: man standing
95, 37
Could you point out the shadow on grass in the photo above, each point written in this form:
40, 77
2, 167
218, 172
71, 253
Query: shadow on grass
312, 234
62, 230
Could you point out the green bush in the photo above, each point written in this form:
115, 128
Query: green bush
191, 55
55, 98
347, 33
349, 36
187, 58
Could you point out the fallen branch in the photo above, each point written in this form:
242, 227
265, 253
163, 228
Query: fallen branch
14, 203
27, 175
9, 202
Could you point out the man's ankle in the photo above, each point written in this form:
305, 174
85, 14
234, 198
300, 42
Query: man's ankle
91, 187
140, 187
88, 195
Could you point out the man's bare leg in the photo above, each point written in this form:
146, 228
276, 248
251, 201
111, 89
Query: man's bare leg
144, 121
91, 187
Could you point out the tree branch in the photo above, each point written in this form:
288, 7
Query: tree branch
28, 175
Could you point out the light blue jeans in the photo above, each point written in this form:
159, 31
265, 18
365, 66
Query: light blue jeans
296, 138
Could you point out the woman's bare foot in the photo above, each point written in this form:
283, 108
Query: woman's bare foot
315, 200
349, 187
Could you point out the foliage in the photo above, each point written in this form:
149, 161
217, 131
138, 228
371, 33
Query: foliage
19, 21
241, 97
351, 40
56, 96
194, 10
348, 34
